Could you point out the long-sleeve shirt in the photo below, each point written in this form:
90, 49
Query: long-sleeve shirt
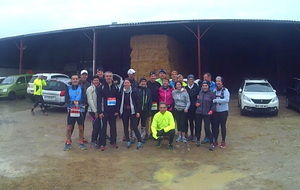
162, 121
91, 94
38, 86
181, 99
222, 99
206, 102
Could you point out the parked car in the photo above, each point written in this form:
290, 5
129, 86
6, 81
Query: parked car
293, 94
47, 76
257, 96
14, 86
1, 79
54, 92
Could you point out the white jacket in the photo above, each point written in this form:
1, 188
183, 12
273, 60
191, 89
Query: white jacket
92, 98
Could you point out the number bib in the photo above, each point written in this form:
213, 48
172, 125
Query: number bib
154, 106
75, 112
112, 101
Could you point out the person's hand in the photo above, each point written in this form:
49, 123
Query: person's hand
210, 112
116, 113
101, 115
197, 104
186, 110
96, 115
137, 115
76, 104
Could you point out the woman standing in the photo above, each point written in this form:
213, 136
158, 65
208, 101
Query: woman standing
205, 107
221, 113
165, 94
181, 106
130, 110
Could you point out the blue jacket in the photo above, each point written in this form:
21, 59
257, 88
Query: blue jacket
75, 93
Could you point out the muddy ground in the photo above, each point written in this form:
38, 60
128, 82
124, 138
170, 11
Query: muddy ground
262, 153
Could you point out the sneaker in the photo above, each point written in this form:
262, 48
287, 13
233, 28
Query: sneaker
211, 147
194, 139
124, 138
139, 145
179, 139
115, 145
102, 148
132, 140
170, 147
94, 145
128, 144
216, 143
222, 144
190, 138
206, 140
82, 146
67, 147
184, 140
84, 140
159, 142
198, 143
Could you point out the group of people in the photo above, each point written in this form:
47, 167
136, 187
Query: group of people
148, 108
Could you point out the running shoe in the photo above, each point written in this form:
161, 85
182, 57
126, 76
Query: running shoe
216, 143
139, 145
179, 139
159, 142
102, 148
206, 140
222, 144
132, 140
82, 146
198, 143
94, 145
124, 138
67, 147
211, 147
115, 145
128, 144
184, 140
84, 140
171, 147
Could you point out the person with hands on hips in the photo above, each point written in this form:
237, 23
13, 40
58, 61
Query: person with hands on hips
163, 124
204, 110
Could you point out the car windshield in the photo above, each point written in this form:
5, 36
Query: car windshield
9, 80
34, 77
55, 86
258, 87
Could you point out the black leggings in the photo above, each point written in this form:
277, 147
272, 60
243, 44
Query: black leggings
198, 124
181, 119
191, 120
126, 116
170, 134
219, 118
143, 118
39, 99
96, 128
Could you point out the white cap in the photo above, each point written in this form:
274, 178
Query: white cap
131, 71
83, 71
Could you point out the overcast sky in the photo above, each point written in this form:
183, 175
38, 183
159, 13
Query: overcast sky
19, 17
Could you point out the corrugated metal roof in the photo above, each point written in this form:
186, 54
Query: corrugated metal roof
154, 23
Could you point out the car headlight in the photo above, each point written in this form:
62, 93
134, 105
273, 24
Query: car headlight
275, 99
246, 98
4, 90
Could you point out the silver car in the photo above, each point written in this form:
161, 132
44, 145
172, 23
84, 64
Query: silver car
54, 92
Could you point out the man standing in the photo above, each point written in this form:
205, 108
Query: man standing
100, 73
75, 99
163, 125
108, 111
174, 75
131, 76
38, 84
162, 75
207, 77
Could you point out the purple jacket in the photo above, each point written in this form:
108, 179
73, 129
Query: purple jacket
206, 102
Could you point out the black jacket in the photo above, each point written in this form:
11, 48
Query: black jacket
135, 101
154, 90
193, 93
105, 92
144, 98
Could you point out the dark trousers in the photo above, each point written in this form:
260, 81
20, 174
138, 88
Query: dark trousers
111, 119
96, 128
126, 116
191, 120
181, 119
39, 100
143, 118
198, 123
219, 118
170, 134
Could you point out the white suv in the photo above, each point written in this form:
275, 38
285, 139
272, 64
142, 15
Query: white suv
257, 96
47, 76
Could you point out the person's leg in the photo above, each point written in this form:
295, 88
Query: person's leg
125, 120
81, 132
143, 117
133, 123
102, 134
171, 135
95, 130
113, 129
183, 118
223, 119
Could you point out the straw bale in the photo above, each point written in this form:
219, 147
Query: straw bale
154, 52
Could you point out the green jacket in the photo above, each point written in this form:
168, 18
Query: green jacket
162, 122
38, 86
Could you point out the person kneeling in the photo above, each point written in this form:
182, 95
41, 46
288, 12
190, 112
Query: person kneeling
163, 125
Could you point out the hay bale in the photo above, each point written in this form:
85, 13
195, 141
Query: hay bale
154, 52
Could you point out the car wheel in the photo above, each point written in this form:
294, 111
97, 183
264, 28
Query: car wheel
275, 113
287, 103
12, 96
239, 104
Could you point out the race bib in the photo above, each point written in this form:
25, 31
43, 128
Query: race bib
74, 112
154, 106
111, 101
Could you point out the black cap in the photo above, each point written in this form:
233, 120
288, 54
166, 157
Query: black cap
206, 82
100, 69
143, 78
163, 71
152, 73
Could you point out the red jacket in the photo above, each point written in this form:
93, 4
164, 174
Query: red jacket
166, 96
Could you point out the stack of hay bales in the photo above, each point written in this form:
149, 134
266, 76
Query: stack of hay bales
155, 52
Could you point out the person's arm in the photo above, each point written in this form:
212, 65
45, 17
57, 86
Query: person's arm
67, 96
100, 99
188, 102
83, 99
225, 99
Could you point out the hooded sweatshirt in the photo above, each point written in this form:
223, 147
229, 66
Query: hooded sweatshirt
181, 99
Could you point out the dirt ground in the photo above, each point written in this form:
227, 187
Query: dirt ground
262, 153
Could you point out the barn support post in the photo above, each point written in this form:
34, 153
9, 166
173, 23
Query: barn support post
199, 52
21, 57
94, 51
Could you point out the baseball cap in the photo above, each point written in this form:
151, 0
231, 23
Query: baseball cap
131, 71
162, 71
190, 77
100, 69
152, 73
83, 72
